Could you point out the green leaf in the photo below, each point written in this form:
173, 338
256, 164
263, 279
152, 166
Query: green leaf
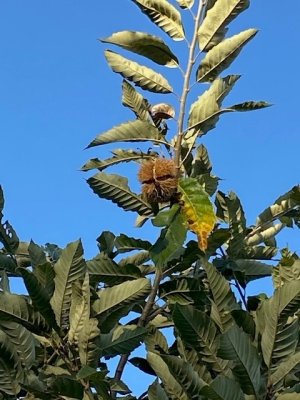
66, 386
245, 321
222, 55
122, 340
132, 131
80, 308
36, 254
205, 112
182, 290
185, 3
201, 164
279, 338
250, 106
142, 364
235, 345
144, 44
115, 188
39, 296
87, 343
22, 339
196, 329
8, 237
10, 367
16, 309
142, 76
125, 243
103, 269
230, 210
226, 388
45, 274
197, 209
285, 368
185, 376
106, 243
119, 156
156, 392
168, 247
217, 18
1, 201
135, 101
69, 268
171, 386
223, 300
126, 293
285, 273
164, 15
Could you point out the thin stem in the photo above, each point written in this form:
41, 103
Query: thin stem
141, 322
242, 295
186, 84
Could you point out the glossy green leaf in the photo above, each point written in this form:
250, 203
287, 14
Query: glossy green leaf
182, 290
169, 244
285, 273
197, 209
126, 293
196, 329
222, 55
122, 340
217, 18
235, 345
69, 268
132, 131
142, 76
144, 44
115, 188
164, 15
226, 389
223, 300
201, 164
119, 156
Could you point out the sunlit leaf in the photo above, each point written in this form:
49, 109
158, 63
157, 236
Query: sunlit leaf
87, 343
115, 188
142, 76
164, 15
68, 269
185, 3
222, 55
197, 209
119, 156
122, 340
217, 18
156, 392
121, 295
284, 368
144, 44
132, 99
132, 131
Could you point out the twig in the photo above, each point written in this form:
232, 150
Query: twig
141, 322
242, 295
186, 83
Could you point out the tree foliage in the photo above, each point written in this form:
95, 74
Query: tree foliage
56, 341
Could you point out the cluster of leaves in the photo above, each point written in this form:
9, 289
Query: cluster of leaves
56, 340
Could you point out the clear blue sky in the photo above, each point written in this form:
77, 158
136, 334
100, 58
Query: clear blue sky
57, 94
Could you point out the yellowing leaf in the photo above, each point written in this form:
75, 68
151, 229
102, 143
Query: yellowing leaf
197, 209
